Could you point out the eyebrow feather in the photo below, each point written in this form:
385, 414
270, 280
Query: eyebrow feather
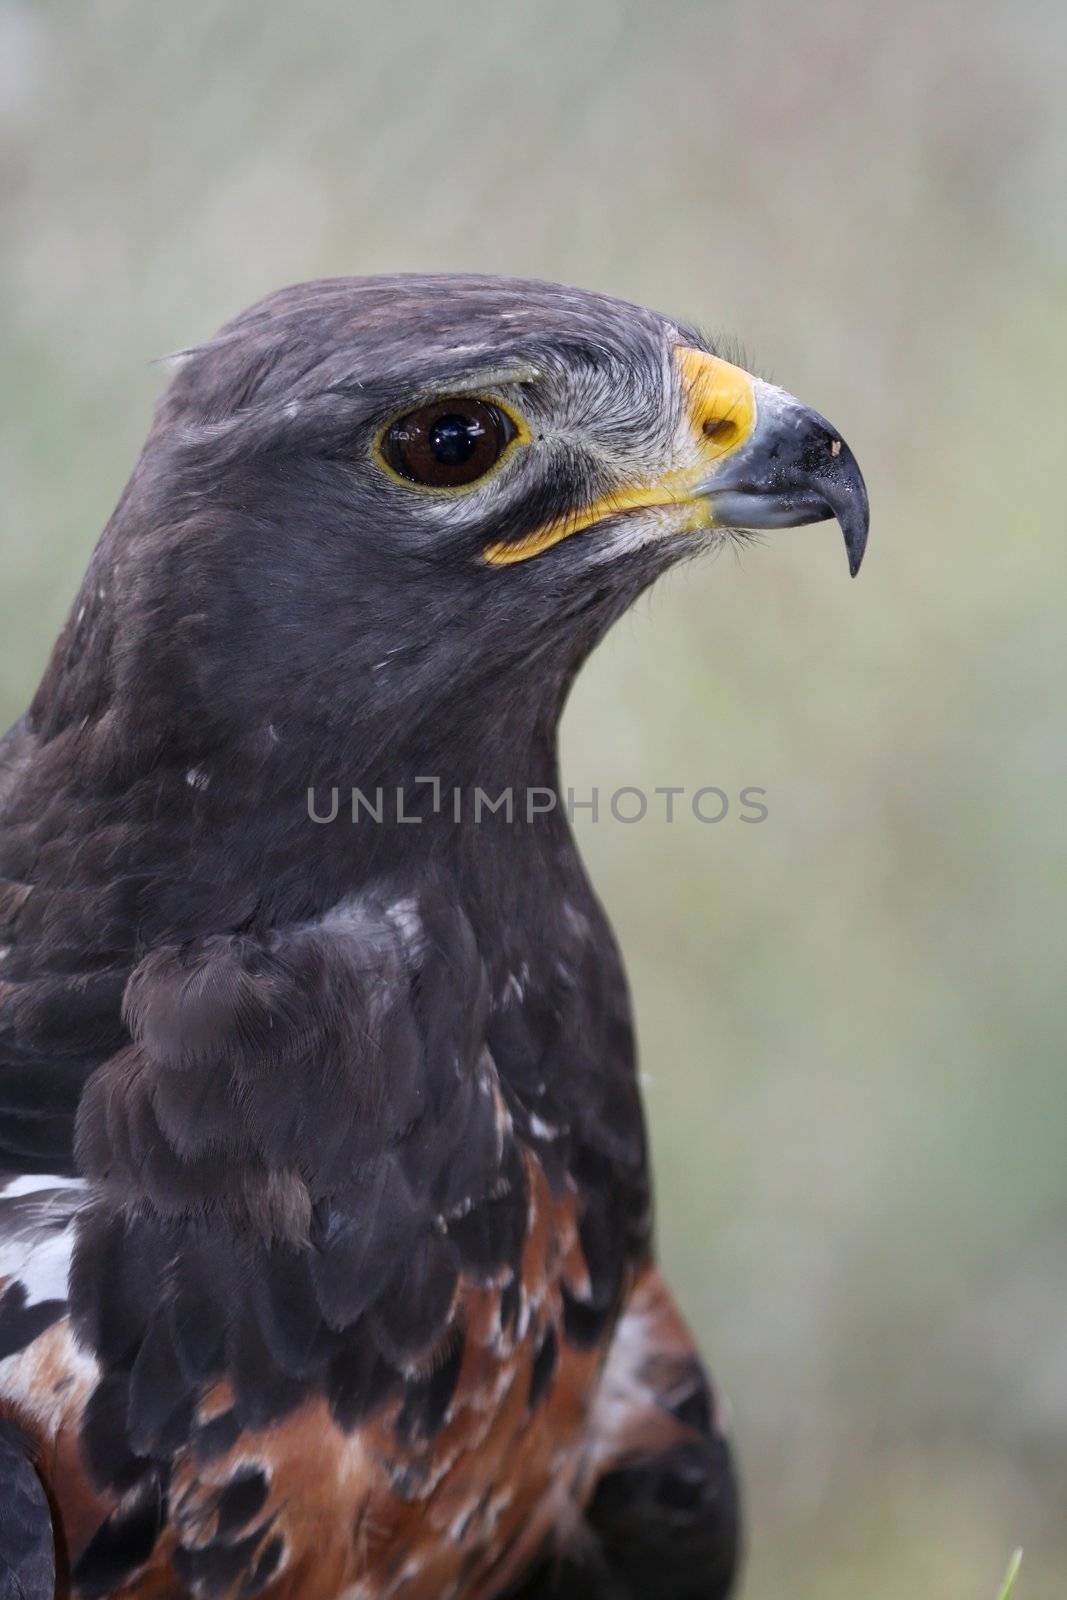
465, 381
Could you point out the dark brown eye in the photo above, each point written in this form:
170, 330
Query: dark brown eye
448, 444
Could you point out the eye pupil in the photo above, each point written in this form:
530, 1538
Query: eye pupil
454, 439
448, 445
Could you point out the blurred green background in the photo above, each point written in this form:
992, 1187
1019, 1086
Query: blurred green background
851, 1015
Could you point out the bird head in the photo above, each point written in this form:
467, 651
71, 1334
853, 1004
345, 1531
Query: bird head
379, 523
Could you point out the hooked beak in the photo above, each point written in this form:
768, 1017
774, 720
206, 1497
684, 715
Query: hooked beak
752, 457
779, 464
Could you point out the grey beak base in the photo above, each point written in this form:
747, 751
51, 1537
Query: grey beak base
794, 469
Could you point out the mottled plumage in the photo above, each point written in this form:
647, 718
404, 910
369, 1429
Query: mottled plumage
325, 1254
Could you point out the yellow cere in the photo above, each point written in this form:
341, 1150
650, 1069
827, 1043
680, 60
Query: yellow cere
720, 405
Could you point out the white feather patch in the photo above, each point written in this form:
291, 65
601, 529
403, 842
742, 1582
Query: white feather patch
37, 1221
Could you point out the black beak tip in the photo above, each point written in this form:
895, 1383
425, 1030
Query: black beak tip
846, 495
855, 545
854, 521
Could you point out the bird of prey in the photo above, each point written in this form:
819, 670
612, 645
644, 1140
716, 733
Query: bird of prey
325, 1254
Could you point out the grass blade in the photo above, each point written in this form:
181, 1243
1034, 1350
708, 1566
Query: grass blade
1008, 1587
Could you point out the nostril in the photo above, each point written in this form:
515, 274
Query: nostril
722, 429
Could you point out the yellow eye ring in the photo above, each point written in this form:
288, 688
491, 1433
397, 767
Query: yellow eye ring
449, 445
